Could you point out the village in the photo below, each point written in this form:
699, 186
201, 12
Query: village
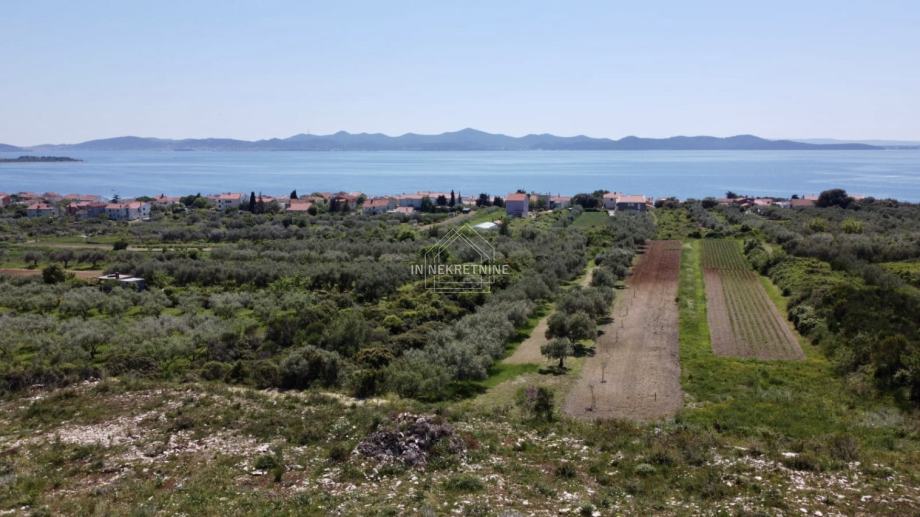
516, 204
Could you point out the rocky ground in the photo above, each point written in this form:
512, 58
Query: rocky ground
114, 447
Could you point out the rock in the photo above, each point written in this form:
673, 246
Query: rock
409, 440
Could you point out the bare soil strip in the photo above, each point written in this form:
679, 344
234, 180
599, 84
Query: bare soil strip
81, 274
720, 325
635, 372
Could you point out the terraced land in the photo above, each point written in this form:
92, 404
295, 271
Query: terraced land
743, 321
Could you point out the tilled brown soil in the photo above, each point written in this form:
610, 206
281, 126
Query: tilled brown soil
743, 320
635, 373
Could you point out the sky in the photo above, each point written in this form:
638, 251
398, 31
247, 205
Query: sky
74, 71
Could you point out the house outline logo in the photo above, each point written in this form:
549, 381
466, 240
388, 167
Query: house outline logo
476, 277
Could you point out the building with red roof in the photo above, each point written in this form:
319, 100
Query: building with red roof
517, 204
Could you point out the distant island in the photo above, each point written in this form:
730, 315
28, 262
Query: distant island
31, 159
463, 140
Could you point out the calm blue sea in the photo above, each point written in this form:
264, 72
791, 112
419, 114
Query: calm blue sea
657, 173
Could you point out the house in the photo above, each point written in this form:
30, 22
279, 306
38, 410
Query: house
227, 200
40, 210
343, 201
410, 200
801, 203
403, 210
378, 205
558, 202
517, 204
763, 201
632, 202
164, 200
299, 205
86, 209
52, 197
27, 198
610, 200
5, 199
130, 211
114, 279
82, 198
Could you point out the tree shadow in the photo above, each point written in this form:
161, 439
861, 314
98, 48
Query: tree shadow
581, 350
553, 370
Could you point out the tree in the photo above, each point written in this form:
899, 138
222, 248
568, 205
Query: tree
294, 194
427, 205
497, 201
252, 202
574, 326
459, 198
32, 257
558, 348
587, 201
94, 257
442, 200
260, 206
63, 256
53, 274
834, 197
453, 199
581, 326
483, 200
732, 195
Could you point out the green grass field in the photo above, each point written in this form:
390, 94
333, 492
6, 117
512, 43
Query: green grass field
590, 219
800, 405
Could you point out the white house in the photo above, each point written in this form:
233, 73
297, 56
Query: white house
228, 200
130, 211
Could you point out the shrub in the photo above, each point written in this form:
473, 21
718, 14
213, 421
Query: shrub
535, 402
214, 370
566, 471
53, 274
463, 483
644, 469
308, 366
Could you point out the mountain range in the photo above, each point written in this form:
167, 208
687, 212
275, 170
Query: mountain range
463, 140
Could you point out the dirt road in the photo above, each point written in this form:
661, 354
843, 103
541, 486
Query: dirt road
81, 274
635, 373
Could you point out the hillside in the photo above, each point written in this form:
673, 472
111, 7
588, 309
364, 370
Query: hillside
463, 140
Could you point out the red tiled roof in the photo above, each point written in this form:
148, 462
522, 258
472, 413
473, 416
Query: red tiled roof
377, 202
229, 196
299, 205
623, 198
517, 196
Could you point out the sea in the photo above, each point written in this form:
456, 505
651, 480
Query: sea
683, 174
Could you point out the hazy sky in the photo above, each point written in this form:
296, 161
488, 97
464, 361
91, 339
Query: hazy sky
72, 71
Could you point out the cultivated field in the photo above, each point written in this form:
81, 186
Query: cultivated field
635, 373
743, 321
